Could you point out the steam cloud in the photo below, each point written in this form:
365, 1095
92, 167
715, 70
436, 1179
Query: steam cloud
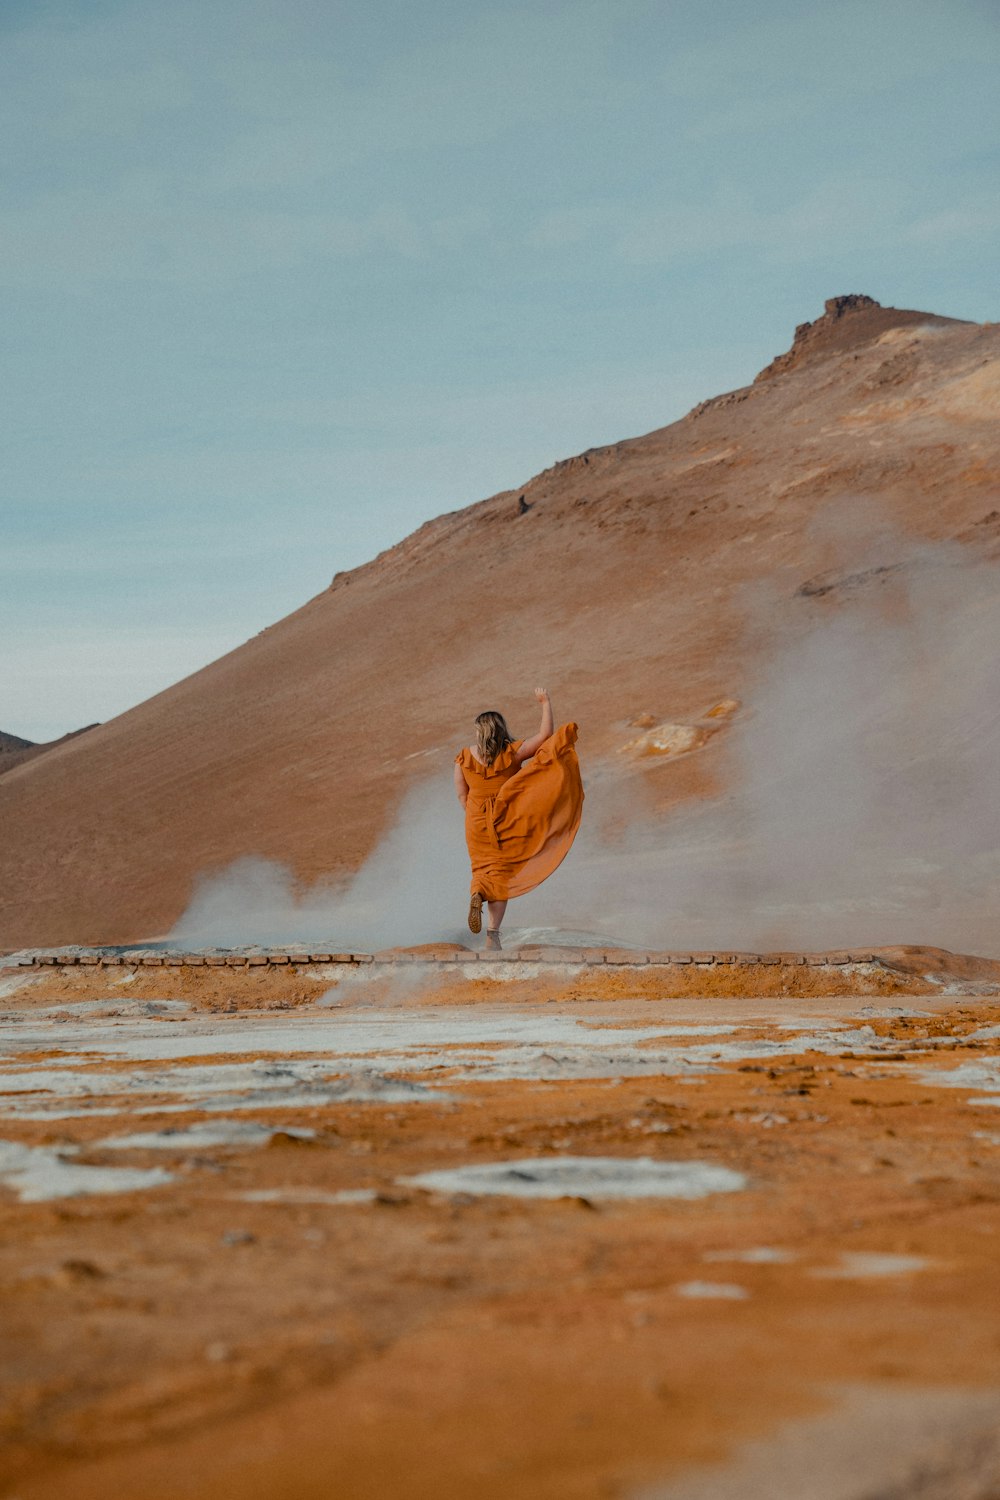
864, 776
863, 802
413, 889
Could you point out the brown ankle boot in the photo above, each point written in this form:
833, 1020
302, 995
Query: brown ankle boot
493, 944
476, 912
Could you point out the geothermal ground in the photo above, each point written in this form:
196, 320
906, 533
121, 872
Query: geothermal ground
557, 1225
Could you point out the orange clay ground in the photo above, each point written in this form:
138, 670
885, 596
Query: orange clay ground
256, 1300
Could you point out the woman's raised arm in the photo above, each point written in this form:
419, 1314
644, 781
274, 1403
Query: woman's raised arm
528, 747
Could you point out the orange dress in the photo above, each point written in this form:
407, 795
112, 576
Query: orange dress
520, 822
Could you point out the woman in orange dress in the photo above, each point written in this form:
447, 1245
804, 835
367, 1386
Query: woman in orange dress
523, 800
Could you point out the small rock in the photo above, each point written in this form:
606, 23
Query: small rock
71, 1271
239, 1237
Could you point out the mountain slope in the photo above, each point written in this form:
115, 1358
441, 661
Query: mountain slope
15, 751
620, 578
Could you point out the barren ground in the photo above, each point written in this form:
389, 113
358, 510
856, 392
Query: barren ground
275, 1307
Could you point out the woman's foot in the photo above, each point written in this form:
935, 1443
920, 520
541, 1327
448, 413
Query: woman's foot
476, 912
492, 940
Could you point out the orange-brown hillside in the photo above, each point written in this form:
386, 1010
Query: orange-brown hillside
617, 577
15, 751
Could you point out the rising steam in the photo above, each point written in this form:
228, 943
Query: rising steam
413, 889
864, 777
863, 802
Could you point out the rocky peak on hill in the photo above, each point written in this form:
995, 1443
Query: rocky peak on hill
847, 321
836, 307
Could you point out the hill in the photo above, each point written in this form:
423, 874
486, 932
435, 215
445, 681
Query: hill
15, 751
664, 588
11, 743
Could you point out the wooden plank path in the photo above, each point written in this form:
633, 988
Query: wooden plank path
549, 956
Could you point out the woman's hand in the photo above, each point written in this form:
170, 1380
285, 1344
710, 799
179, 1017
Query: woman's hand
542, 695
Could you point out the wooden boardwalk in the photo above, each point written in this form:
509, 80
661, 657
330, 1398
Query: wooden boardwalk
450, 955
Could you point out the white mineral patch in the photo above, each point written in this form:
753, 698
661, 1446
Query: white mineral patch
726, 1291
261, 1084
62, 1080
993, 1100
373, 1056
308, 1195
53, 1112
513, 1043
348, 1034
891, 1012
12, 983
38, 1173
831, 1039
193, 1137
756, 1255
366, 1088
971, 1075
546, 1064
584, 1177
112, 1007
688, 1029
860, 1264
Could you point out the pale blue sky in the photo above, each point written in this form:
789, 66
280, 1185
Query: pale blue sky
284, 278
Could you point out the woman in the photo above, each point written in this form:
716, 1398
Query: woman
523, 800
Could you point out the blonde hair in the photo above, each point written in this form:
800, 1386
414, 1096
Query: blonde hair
492, 735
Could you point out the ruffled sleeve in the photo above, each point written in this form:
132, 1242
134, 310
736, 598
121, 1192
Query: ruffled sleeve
505, 758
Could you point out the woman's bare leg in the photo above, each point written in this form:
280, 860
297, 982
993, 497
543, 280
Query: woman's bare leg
496, 910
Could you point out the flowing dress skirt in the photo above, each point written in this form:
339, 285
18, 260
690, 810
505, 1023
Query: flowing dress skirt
520, 823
